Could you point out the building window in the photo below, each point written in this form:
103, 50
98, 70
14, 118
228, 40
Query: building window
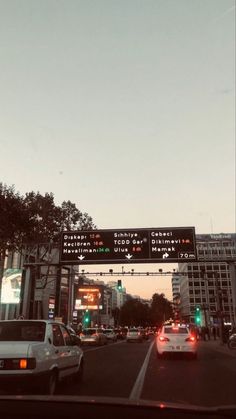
196, 283
197, 300
190, 283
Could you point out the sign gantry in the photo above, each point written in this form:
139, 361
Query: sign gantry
150, 245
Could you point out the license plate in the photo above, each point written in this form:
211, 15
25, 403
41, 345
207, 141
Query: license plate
177, 347
1, 363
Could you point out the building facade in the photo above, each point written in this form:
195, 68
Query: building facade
210, 283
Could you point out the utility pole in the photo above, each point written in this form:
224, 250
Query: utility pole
219, 306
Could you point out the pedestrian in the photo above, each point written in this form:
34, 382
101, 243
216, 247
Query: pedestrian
208, 333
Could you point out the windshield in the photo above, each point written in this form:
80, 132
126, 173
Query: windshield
89, 332
117, 200
175, 330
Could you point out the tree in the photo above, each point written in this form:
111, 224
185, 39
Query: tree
48, 220
161, 309
134, 313
34, 219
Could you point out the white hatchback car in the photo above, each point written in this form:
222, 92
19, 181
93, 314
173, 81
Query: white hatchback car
38, 353
175, 338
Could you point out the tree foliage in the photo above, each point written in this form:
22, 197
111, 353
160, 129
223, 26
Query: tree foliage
136, 313
35, 218
161, 309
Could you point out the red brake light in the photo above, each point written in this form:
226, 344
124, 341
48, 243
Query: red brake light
163, 339
190, 339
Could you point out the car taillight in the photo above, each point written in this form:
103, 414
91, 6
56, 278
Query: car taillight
163, 339
20, 364
82, 335
190, 339
94, 334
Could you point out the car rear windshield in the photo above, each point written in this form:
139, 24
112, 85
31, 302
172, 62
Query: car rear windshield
89, 331
107, 331
21, 331
175, 330
133, 330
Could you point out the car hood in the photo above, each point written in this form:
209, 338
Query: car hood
220, 411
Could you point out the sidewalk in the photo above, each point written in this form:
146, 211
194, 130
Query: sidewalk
218, 346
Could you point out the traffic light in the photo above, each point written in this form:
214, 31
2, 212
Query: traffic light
119, 285
86, 319
197, 316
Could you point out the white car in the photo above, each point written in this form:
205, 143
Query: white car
93, 336
134, 335
110, 334
38, 353
175, 338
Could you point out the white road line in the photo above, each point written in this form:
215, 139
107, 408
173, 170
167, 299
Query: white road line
138, 386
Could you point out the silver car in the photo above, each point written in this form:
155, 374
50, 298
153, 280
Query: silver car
134, 335
110, 334
93, 336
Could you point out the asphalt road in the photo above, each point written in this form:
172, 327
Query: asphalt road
131, 370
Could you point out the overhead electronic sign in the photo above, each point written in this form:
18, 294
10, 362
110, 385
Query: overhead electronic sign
88, 297
148, 245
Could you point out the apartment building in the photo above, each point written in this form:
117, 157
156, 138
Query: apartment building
210, 283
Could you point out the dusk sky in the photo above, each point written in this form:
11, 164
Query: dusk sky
124, 107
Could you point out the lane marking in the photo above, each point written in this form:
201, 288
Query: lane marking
138, 386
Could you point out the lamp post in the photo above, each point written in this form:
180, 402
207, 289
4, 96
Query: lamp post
219, 306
